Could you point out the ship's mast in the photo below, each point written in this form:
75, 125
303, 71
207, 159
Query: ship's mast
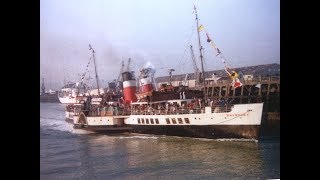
43, 89
95, 68
201, 57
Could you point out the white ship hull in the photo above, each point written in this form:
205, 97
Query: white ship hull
72, 100
243, 121
102, 124
67, 100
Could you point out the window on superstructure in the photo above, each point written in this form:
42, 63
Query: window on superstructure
174, 121
180, 121
139, 121
168, 121
157, 121
147, 121
187, 120
142, 120
151, 120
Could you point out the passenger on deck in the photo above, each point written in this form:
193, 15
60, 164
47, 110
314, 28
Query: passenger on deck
199, 101
211, 103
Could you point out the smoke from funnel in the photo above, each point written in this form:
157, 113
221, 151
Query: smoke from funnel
148, 70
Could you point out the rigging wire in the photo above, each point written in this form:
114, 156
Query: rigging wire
186, 46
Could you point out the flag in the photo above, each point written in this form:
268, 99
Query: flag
236, 83
212, 44
218, 51
224, 61
234, 74
208, 38
200, 28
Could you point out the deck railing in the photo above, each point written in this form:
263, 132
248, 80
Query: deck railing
183, 110
152, 111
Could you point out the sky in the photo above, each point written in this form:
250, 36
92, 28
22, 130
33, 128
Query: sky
158, 32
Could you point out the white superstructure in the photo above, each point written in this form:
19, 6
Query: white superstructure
239, 114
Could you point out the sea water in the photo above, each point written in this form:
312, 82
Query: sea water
67, 153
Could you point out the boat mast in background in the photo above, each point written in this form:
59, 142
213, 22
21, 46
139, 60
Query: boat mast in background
119, 79
43, 89
128, 66
95, 68
201, 56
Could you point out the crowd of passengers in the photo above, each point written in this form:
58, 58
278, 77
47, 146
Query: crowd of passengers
195, 106
119, 108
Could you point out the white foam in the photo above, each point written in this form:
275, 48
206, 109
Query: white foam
81, 131
139, 137
52, 116
61, 125
221, 139
56, 124
234, 139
